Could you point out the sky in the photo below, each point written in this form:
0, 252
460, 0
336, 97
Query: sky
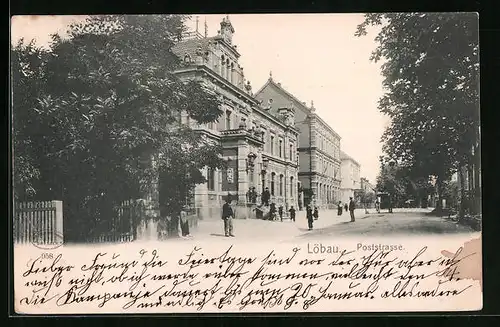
316, 57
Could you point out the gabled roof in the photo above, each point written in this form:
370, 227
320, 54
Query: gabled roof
345, 156
300, 105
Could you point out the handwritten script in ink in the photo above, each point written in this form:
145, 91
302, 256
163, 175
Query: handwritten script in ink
198, 280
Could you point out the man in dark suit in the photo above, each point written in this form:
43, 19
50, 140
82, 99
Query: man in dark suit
352, 206
292, 213
227, 216
309, 216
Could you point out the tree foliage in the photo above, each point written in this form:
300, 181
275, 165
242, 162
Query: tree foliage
104, 119
431, 75
27, 78
399, 182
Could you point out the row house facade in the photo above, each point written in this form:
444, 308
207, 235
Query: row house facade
318, 147
259, 146
351, 180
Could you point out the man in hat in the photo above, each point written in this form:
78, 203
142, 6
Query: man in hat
309, 216
292, 213
227, 216
352, 206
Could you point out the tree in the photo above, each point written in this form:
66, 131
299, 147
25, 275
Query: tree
27, 78
390, 180
366, 198
431, 76
108, 118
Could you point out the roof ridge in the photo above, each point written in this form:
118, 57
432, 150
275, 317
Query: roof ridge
301, 103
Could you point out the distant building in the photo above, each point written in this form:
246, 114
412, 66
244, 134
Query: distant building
318, 148
255, 141
351, 180
366, 186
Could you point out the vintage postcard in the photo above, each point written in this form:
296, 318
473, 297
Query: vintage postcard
266, 163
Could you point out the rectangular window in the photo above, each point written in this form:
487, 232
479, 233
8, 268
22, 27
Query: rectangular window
211, 179
281, 185
228, 119
281, 149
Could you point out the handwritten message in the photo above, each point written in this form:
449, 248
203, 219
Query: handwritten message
307, 278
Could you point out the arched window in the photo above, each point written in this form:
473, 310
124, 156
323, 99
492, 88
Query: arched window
292, 194
281, 185
222, 65
227, 69
273, 178
231, 72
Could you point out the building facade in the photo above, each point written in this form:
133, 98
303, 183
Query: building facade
318, 147
255, 141
351, 180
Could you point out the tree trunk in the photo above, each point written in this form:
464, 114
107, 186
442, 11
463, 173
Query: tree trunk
477, 180
173, 224
439, 191
461, 185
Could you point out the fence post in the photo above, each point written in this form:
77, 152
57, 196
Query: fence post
59, 232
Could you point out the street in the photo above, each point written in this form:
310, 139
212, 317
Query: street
402, 222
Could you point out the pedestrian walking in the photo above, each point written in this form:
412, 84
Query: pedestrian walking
339, 209
345, 207
184, 222
309, 216
280, 212
352, 206
316, 213
377, 206
227, 216
272, 211
292, 213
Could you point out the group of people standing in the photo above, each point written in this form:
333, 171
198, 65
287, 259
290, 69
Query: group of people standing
273, 211
311, 214
347, 207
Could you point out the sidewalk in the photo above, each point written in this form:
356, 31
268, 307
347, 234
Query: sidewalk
327, 218
257, 229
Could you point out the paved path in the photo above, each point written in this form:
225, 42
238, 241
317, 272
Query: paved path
403, 222
256, 229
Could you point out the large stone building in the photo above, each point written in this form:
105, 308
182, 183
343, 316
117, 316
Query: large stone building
351, 179
259, 145
318, 148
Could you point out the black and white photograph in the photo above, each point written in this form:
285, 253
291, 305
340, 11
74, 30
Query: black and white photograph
246, 163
